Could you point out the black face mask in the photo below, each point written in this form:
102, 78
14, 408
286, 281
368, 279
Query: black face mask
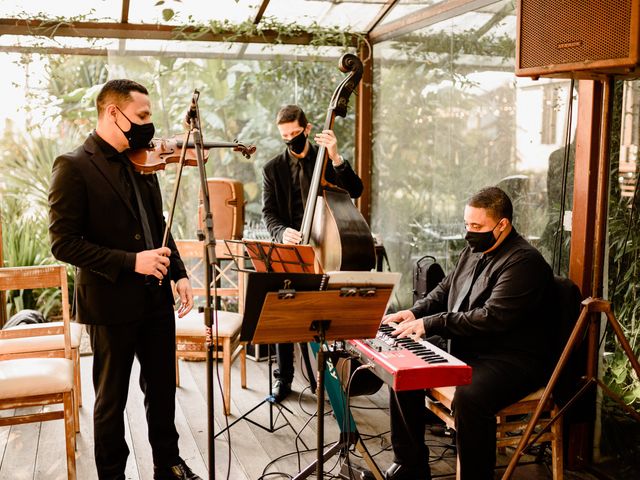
138, 135
481, 241
297, 143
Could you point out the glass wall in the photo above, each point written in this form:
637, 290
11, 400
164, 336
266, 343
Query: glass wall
620, 433
450, 118
239, 99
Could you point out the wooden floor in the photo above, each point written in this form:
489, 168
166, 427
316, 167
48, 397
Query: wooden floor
36, 451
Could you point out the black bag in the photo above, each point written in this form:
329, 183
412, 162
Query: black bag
25, 317
427, 273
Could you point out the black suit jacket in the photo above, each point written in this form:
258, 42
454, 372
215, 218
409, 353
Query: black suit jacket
94, 226
276, 189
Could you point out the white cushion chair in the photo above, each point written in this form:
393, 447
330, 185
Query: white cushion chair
29, 379
190, 330
47, 346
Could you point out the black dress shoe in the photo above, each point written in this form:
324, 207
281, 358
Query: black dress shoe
281, 390
177, 472
398, 471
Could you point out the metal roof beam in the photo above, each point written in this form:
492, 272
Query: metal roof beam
12, 26
425, 17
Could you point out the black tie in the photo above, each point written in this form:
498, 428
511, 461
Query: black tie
144, 220
468, 284
303, 181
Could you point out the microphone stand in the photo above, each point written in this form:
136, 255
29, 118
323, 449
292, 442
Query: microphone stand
210, 261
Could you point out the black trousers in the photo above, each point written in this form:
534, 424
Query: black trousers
284, 357
152, 341
497, 381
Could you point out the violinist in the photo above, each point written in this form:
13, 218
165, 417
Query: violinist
286, 179
106, 220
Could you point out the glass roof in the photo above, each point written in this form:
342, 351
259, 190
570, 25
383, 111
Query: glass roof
353, 15
125, 23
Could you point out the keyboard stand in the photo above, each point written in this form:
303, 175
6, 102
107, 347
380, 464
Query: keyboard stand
338, 401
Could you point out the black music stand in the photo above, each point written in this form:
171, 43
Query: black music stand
267, 256
290, 315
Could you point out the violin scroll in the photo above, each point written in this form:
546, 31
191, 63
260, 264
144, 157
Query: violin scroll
245, 150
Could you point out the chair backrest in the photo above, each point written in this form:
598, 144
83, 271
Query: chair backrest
30, 278
231, 283
567, 299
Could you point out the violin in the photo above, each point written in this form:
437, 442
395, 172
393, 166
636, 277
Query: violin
162, 151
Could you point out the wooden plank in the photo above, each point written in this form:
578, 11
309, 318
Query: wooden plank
124, 16
136, 419
188, 445
261, 10
193, 406
51, 460
21, 278
364, 131
20, 454
197, 372
48, 28
4, 433
85, 462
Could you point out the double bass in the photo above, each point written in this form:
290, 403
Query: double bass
331, 223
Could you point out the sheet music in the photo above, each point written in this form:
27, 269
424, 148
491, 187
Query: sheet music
362, 279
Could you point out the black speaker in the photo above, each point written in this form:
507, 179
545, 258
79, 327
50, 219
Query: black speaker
577, 38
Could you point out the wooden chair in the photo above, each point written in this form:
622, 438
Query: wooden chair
47, 346
28, 380
190, 330
509, 430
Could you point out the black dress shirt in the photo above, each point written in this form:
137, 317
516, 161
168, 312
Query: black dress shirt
507, 306
280, 209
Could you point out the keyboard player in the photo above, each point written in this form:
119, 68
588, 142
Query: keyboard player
490, 307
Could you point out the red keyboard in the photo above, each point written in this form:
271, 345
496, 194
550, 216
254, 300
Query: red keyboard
407, 364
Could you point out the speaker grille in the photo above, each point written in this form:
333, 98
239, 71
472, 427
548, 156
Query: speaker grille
555, 32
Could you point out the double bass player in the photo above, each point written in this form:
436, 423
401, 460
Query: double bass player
286, 180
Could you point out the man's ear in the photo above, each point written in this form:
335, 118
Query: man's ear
111, 111
307, 129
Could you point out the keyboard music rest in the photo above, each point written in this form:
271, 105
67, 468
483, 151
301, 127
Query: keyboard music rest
407, 364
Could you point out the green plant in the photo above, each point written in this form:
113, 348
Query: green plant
27, 165
624, 266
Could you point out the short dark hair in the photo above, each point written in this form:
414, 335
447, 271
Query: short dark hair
118, 92
495, 201
291, 113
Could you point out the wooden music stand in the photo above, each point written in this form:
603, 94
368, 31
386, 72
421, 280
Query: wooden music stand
590, 307
293, 316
